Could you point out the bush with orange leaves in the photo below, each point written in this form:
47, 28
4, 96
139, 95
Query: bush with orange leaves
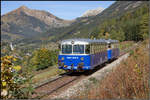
128, 81
13, 81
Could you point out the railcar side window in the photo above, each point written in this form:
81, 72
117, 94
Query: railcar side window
91, 49
78, 49
66, 49
87, 49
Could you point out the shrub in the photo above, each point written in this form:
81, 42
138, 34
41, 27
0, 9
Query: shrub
15, 84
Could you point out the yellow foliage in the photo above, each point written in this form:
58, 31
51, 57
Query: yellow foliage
17, 68
14, 59
4, 83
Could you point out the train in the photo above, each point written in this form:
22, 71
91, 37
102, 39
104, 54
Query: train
78, 55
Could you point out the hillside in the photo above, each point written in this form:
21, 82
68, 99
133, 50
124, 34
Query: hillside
86, 27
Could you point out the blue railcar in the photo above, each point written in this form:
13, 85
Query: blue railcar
73, 62
84, 54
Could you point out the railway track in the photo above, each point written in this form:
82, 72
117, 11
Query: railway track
52, 86
51, 80
49, 87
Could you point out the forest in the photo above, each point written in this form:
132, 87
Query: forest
132, 26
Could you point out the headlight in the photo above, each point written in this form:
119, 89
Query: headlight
62, 58
82, 58
81, 64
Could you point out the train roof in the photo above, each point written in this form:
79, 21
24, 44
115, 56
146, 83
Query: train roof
112, 41
87, 41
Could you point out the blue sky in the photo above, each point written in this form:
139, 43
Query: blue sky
62, 9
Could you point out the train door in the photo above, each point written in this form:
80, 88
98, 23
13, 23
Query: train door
109, 51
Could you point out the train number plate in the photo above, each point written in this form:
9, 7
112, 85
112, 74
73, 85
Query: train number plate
72, 57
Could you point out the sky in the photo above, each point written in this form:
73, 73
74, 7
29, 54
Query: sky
63, 9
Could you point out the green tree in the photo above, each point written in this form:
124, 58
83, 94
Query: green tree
144, 26
121, 36
113, 34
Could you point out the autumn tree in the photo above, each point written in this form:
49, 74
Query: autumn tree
43, 58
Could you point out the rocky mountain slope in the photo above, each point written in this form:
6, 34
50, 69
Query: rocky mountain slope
24, 22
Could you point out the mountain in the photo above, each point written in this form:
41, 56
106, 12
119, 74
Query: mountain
26, 23
34, 26
83, 27
92, 12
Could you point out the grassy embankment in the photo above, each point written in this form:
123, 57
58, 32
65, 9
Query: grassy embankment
129, 80
45, 74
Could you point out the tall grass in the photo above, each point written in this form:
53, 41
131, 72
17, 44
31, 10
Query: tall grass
129, 80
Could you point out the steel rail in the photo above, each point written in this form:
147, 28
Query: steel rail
55, 89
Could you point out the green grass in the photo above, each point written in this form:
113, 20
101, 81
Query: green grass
46, 74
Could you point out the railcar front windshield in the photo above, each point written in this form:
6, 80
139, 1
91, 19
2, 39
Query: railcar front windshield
66, 49
78, 49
